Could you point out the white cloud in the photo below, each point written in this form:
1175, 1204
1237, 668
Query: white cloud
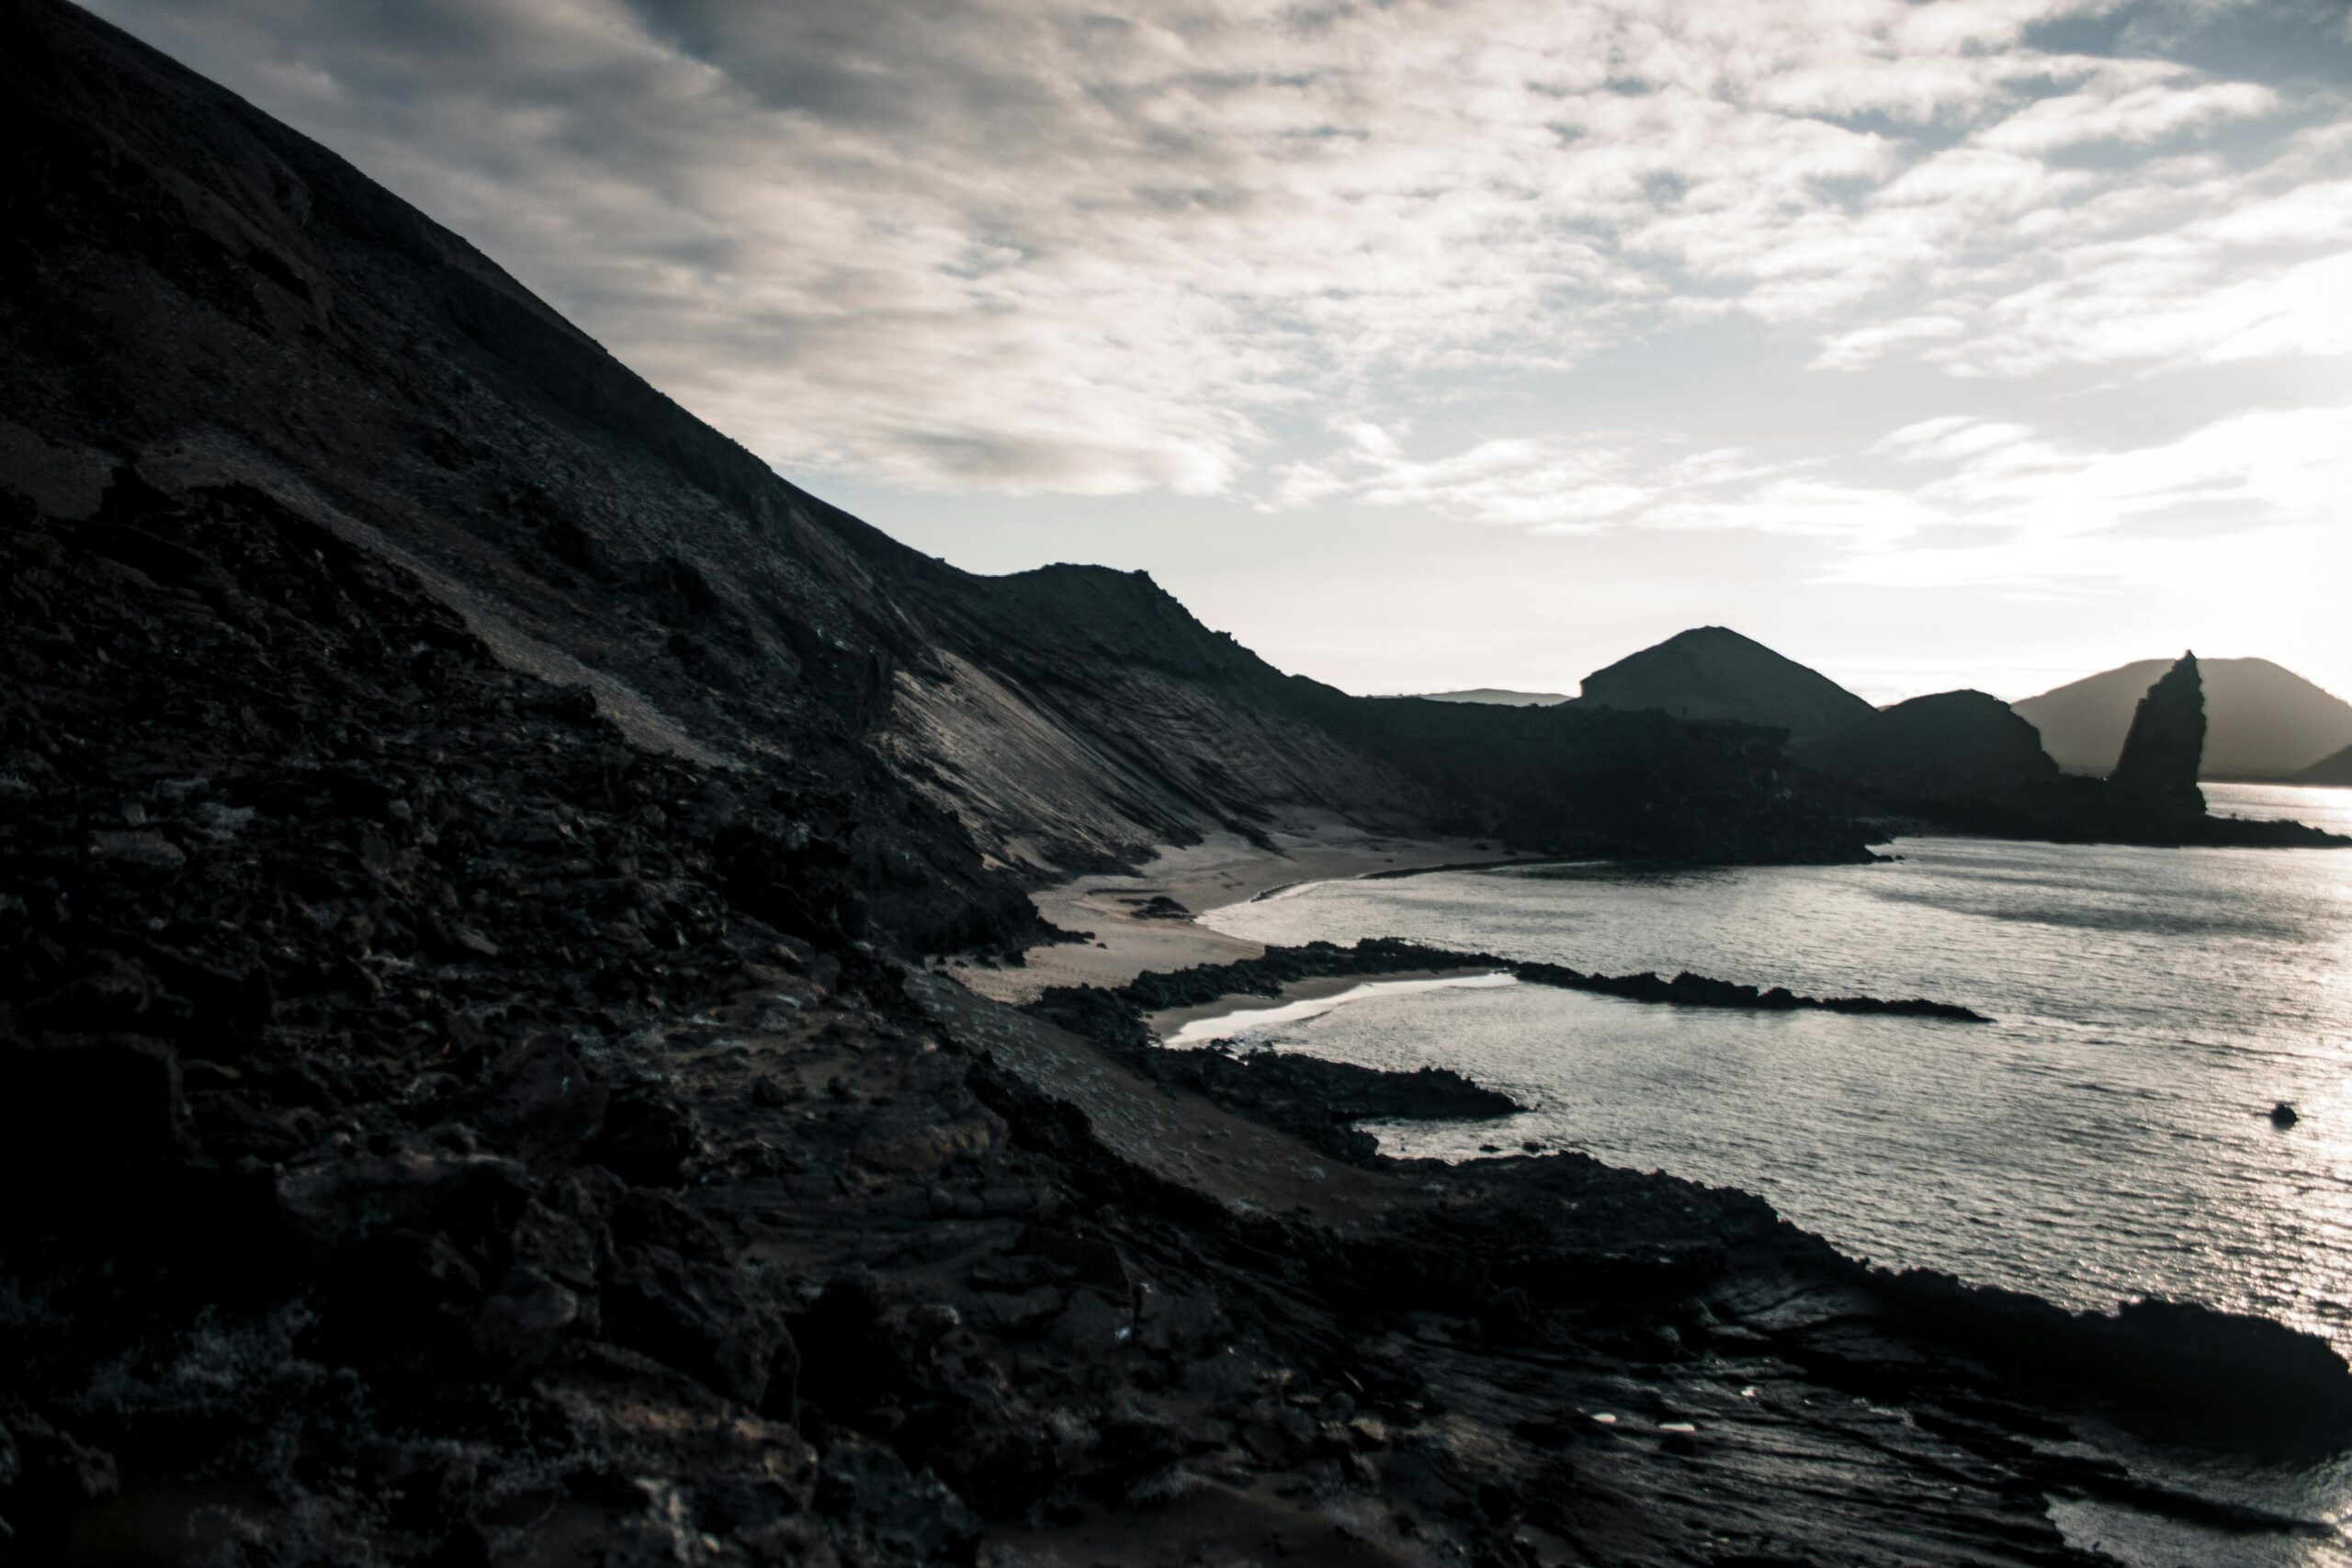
1949, 438
2159, 301
2115, 111
1993, 502
1546, 483
1029, 247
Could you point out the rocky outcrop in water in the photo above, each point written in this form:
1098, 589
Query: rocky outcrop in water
2161, 755
1117, 1015
1322, 1101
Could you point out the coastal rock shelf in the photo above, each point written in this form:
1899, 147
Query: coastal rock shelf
1699, 991
1118, 1014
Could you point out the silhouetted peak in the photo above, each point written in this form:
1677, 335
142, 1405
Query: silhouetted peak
2167, 741
1716, 639
1714, 674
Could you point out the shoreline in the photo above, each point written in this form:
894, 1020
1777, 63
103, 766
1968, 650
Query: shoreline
1167, 1024
1125, 939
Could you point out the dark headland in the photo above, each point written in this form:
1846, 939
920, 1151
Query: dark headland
1966, 762
1954, 761
471, 1087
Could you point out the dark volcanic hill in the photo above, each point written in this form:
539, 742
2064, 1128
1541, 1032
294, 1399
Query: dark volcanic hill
1951, 746
1712, 673
1969, 762
2266, 722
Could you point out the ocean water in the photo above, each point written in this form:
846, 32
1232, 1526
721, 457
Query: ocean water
2107, 1137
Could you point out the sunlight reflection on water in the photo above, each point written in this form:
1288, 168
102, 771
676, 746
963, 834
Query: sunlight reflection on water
1251, 1022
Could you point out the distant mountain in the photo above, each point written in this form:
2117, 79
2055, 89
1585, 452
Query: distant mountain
1495, 696
2332, 770
2263, 721
1711, 673
1951, 746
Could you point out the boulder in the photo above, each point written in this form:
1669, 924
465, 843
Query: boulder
677, 1294
646, 1135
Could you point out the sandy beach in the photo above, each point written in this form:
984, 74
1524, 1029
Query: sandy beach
1128, 936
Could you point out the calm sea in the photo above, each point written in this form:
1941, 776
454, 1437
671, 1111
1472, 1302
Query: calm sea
2107, 1137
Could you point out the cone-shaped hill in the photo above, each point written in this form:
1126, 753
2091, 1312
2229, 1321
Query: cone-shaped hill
1713, 672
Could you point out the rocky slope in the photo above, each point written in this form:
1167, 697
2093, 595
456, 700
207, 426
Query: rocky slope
463, 1134
2266, 722
1712, 673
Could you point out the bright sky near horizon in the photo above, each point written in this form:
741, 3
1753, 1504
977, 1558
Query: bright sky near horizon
1960, 343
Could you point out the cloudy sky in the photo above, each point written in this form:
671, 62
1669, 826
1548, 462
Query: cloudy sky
1958, 343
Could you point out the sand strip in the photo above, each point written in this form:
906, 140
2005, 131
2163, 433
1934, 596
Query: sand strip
1230, 1016
1224, 868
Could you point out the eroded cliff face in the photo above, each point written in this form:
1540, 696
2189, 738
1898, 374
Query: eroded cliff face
2161, 754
